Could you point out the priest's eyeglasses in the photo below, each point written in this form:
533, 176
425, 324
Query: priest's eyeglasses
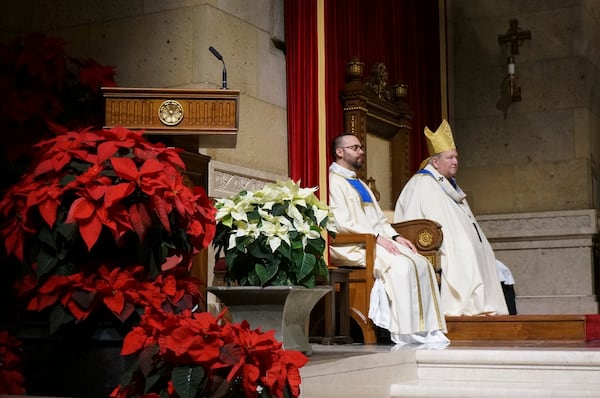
355, 148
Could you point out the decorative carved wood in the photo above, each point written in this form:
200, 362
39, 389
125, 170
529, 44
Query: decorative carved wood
372, 106
186, 118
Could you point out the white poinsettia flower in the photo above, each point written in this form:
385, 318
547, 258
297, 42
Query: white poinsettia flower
294, 214
253, 230
320, 214
305, 230
267, 205
244, 229
231, 243
307, 193
229, 207
275, 233
274, 193
266, 216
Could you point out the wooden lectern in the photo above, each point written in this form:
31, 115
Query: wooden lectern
185, 118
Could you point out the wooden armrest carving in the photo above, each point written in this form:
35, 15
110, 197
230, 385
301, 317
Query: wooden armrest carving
423, 233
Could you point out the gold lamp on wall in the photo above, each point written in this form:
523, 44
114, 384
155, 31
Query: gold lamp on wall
514, 91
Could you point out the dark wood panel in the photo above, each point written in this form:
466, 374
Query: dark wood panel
517, 328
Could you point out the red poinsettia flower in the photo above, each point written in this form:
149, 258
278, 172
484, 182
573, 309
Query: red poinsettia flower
164, 342
62, 149
46, 196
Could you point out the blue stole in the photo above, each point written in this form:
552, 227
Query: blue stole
362, 191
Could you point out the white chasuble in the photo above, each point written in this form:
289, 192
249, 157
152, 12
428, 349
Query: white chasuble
470, 284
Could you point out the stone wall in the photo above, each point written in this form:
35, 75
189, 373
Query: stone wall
156, 43
543, 155
552, 256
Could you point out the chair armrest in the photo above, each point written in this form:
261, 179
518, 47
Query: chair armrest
368, 240
425, 234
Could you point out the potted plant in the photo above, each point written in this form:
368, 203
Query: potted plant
273, 236
272, 240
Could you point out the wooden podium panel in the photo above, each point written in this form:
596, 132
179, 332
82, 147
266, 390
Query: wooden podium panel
187, 118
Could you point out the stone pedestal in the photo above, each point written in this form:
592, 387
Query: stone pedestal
285, 309
552, 256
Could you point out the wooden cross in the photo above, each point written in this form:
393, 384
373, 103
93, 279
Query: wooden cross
514, 36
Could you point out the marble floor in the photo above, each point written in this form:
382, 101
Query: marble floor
323, 353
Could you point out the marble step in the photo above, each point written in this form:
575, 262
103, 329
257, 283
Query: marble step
362, 374
523, 372
460, 389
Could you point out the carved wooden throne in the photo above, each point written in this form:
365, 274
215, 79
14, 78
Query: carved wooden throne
373, 106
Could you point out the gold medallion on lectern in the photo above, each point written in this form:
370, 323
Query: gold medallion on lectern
170, 112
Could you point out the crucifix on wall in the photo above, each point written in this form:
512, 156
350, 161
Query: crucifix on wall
511, 92
515, 36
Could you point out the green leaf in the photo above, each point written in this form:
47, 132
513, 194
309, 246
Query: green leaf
316, 246
187, 380
309, 282
67, 231
46, 262
260, 251
296, 243
308, 266
47, 237
279, 209
152, 379
227, 220
254, 216
130, 366
58, 317
265, 272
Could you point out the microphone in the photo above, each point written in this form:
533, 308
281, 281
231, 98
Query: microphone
220, 58
215, 53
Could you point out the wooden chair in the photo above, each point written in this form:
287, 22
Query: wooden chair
427, 237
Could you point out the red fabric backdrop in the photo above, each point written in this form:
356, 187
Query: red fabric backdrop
301, 69
403, 34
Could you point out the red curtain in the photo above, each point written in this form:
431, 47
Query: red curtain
403, 34
302, 112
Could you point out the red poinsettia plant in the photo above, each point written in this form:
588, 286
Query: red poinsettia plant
193, 354
104, 218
